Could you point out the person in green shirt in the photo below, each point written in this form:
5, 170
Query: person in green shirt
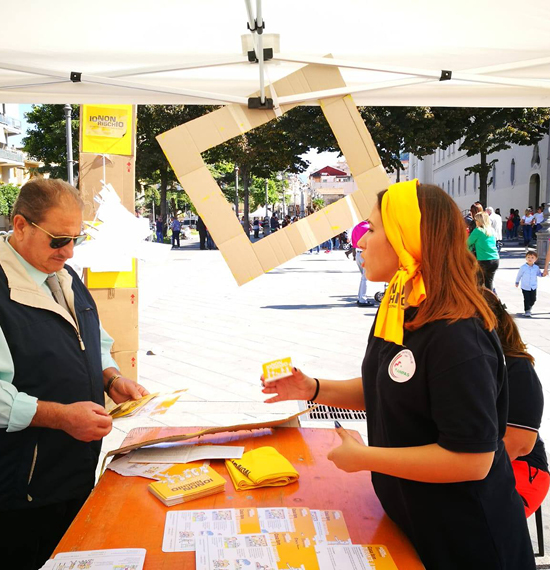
483, 242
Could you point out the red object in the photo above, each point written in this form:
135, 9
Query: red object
532, 485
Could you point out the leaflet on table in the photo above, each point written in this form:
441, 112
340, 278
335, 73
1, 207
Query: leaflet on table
182, 527
330, 527
123, 466
150, 405
178, 453
356, 556
112, 559
275, 551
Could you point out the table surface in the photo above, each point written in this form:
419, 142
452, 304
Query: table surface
122, 513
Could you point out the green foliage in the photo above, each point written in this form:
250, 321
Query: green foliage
46, 139
8, 196
318, 204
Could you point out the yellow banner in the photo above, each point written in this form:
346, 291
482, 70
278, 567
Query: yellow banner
107, 129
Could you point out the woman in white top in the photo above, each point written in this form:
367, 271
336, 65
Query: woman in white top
527, 222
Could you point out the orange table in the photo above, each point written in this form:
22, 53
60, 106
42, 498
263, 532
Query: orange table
122, 513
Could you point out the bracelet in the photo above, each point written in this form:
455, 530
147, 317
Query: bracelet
316, 390
111, 382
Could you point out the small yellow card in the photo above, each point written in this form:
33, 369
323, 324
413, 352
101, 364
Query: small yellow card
277, 369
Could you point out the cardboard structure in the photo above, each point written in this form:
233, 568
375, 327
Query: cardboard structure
115, 292
184, 144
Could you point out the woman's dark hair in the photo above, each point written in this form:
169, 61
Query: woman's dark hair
448, 268
39, 195
507, 330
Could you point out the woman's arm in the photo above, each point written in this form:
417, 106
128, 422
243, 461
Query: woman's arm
519, 442
472, 238
427, 464
338, 393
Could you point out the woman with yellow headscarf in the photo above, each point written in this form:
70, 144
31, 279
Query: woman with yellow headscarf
434, 387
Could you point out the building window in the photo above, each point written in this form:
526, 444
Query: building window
494, 177
459, 185
448, 187
435, 153
453, 187
513, 172
454, 148
475, 182
535, 159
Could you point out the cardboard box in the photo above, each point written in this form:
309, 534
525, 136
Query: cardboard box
247, 261
118, 171
118, 312
111, 279
127, 361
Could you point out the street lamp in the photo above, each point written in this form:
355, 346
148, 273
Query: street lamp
68, 134
237, 191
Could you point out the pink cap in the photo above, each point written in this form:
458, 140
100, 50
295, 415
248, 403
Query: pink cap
358, 232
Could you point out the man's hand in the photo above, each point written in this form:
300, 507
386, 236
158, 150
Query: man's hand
517, 284
85, 421
350, 456
297, 386
125, 389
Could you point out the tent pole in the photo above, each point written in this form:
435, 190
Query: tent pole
260, 50
69, 136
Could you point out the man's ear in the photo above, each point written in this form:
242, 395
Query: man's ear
20, 225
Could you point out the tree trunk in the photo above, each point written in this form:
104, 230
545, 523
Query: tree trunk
483, 176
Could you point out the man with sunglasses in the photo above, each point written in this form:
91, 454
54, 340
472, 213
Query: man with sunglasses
55, 366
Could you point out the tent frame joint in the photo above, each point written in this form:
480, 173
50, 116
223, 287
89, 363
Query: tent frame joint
256, 103
76, 76
446, 75
268, 54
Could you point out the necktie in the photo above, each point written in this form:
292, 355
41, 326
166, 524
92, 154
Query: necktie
55, 287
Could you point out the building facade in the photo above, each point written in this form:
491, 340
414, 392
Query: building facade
519, 178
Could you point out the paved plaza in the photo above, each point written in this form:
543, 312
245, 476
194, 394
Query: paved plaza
201, 332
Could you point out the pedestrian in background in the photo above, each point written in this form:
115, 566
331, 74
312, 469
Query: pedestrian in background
527, 221
356, 234
201, 227
483, 241
527, 276
159, 226
274, 222
496, 223
175, 226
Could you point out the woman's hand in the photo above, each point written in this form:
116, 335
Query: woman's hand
350, 455
297, 386
125, 389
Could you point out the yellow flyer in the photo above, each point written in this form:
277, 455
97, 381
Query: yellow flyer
330, 527
356, 556
277, 369
107, 129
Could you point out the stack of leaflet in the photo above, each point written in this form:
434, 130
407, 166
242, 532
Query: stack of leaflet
186, 482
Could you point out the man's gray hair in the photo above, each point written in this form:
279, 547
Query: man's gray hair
489, 210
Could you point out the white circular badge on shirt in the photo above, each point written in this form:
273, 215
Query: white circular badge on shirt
402, 366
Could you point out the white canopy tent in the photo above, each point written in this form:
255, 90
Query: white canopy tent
390, 53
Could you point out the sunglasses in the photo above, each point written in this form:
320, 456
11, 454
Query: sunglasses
58, 242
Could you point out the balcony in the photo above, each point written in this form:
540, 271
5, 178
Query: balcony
11, 156
13, 126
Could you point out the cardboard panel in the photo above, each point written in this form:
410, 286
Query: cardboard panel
127, 361
119, 171
246, 260
241, 259
118, 312
189, 158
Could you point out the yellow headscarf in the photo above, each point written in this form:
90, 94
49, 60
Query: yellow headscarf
401, 218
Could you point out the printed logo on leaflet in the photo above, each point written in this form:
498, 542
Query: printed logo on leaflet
402, 367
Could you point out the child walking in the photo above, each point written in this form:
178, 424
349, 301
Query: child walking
527, 276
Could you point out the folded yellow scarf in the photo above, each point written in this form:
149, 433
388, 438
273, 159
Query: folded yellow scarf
401, 218
262, 467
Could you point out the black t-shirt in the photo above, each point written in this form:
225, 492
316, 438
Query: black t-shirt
526, 405
447, 385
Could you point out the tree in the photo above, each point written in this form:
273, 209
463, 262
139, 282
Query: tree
46, 139
491, 130
8, 196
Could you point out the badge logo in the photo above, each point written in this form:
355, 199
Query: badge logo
402, 367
